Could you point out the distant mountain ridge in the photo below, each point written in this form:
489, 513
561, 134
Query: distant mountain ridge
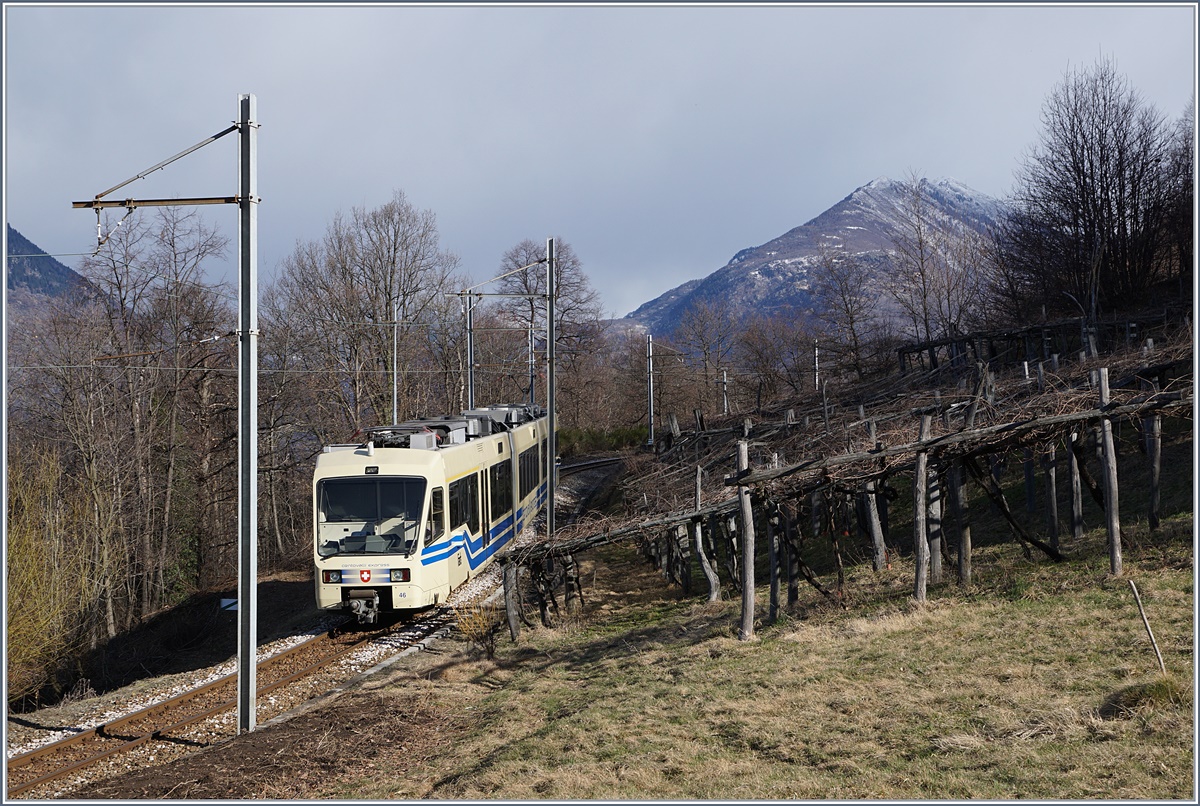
778, 274
32, 273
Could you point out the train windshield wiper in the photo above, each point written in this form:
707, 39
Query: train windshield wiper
364, 544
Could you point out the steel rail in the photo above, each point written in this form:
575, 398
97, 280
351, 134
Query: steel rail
154, 709
105, 731
99, 731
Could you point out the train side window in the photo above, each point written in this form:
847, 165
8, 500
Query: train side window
435, 529
501, 489
484, 500
464, 503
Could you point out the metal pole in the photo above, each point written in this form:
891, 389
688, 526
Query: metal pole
532, 364
395, 364
247, 413
552, 440
650, 387
470, 352
816, 366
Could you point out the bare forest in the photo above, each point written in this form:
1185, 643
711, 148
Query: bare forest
122, 402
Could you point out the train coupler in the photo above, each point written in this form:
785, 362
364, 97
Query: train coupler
364, 605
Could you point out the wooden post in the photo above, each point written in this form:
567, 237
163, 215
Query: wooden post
684, 564
962, 519
746, 630
773, 564
570, 585
792, 542
733, 559
1137, 598
879, 549
825, 404
1152, 428
1154, 453
838, 526
1050, 470
714, 583
920, 544
512, 600
1111, 510
933, 526
1076, 488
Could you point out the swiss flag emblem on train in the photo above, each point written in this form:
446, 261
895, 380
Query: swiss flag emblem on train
365, 575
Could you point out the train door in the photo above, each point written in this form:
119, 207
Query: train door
502, 497
464, 525
436, 534
485, 507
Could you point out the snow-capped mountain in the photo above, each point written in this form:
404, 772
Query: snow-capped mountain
779, 274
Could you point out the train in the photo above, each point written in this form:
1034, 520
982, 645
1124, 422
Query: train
417, 509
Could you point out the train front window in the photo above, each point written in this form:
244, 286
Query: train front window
376, 516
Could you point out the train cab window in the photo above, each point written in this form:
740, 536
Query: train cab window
376, 515
435, 527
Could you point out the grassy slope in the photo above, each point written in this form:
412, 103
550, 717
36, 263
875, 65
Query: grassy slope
1029, 684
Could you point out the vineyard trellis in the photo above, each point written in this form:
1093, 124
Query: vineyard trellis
849, 450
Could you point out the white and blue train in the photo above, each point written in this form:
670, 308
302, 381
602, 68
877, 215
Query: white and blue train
421, 507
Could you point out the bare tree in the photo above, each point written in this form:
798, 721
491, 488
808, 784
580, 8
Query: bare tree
379, 277
49, 583
776, 353
577, 305
938, 277
847, 304
1181, 198
1092, 195
108, 379
706, 334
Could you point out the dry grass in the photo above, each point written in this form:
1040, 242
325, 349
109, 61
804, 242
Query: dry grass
479, 623
1039, 682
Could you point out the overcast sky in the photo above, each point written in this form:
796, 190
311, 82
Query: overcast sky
656, 140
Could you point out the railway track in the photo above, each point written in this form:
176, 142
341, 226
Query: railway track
193, 719
203, 715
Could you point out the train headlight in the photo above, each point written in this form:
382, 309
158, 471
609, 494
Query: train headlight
331, 577
400, 575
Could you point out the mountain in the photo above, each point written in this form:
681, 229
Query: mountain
778, 274
33, 276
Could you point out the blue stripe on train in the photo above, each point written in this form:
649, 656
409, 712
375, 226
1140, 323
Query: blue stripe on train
476, 552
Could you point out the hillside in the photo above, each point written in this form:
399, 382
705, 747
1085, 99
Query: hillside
1035, 680
33, 277
1030, 685
778, 274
